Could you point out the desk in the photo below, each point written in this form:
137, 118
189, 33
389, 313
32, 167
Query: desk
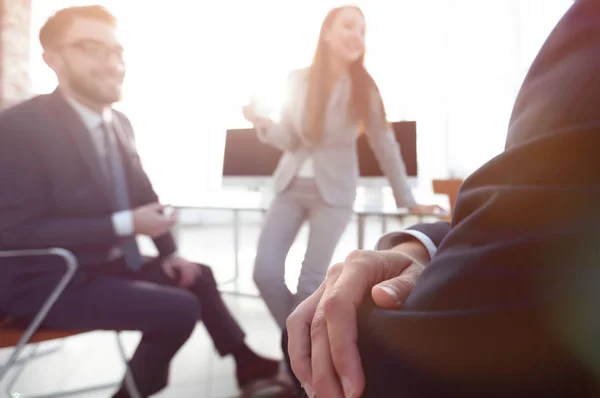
237, 202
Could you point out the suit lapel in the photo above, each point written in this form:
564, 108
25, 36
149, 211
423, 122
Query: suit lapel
125, 144
81, 136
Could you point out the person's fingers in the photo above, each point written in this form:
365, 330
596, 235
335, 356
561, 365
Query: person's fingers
169, 269
299, 344
325, 379
188, 276
391, 294
340, 305
157, 207
362, 270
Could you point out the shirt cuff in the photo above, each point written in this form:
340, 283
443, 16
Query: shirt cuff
123, 223
393, 239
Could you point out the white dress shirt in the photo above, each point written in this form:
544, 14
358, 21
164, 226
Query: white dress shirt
122, 220
307, 170
392, 239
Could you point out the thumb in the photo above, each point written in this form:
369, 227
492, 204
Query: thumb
391, 294
169, 269
155, 206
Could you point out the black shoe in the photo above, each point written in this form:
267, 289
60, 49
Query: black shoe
258, 369
268, 389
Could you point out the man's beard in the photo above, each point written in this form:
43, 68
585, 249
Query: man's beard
86, 89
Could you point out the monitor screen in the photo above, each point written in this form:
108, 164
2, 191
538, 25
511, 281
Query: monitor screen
245, 155
406, 136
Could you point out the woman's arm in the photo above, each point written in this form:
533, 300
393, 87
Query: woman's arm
387, 151
282, 135
278, 135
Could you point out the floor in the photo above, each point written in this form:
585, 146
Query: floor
197, 370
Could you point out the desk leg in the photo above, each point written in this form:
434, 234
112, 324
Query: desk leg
236, 244
361, 231
236, 252
236, 249
176, 230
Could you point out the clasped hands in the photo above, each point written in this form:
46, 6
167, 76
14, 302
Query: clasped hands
155, 220
323, 329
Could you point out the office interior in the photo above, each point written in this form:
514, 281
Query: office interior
448, 71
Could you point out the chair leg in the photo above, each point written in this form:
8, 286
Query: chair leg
12, 360
19, 367
41, 315
129, 380
77, 393
42, 353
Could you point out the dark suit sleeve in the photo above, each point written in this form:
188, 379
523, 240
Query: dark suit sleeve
509, 305
144, 192
23, 201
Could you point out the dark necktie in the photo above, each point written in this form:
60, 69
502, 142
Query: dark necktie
120, 193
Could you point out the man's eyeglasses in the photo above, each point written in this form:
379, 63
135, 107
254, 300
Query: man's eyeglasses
96, 49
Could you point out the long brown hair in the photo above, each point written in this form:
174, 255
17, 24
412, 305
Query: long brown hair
320, 85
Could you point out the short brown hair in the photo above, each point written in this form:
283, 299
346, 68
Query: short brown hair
52, 31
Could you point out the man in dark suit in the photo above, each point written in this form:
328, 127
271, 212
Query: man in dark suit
70, 177
505, 301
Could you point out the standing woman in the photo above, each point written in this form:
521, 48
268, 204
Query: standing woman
317, 176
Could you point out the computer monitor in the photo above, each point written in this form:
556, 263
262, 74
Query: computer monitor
247, 161
250, 163
406, 136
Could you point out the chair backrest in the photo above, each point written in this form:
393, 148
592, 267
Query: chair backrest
448, 187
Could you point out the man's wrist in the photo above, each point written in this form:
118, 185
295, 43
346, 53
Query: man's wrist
414, 248
171, 256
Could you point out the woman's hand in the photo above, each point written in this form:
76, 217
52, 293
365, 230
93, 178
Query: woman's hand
249, 113
426, 209
251, 116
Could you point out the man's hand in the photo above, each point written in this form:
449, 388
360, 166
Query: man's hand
323, 329
150, 220
176, 266
426, 209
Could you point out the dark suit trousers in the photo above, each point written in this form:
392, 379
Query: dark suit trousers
110, 297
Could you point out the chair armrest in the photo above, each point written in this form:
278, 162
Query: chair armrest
67, 256
71, 267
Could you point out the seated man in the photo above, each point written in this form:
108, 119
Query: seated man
70, 177
507, 303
